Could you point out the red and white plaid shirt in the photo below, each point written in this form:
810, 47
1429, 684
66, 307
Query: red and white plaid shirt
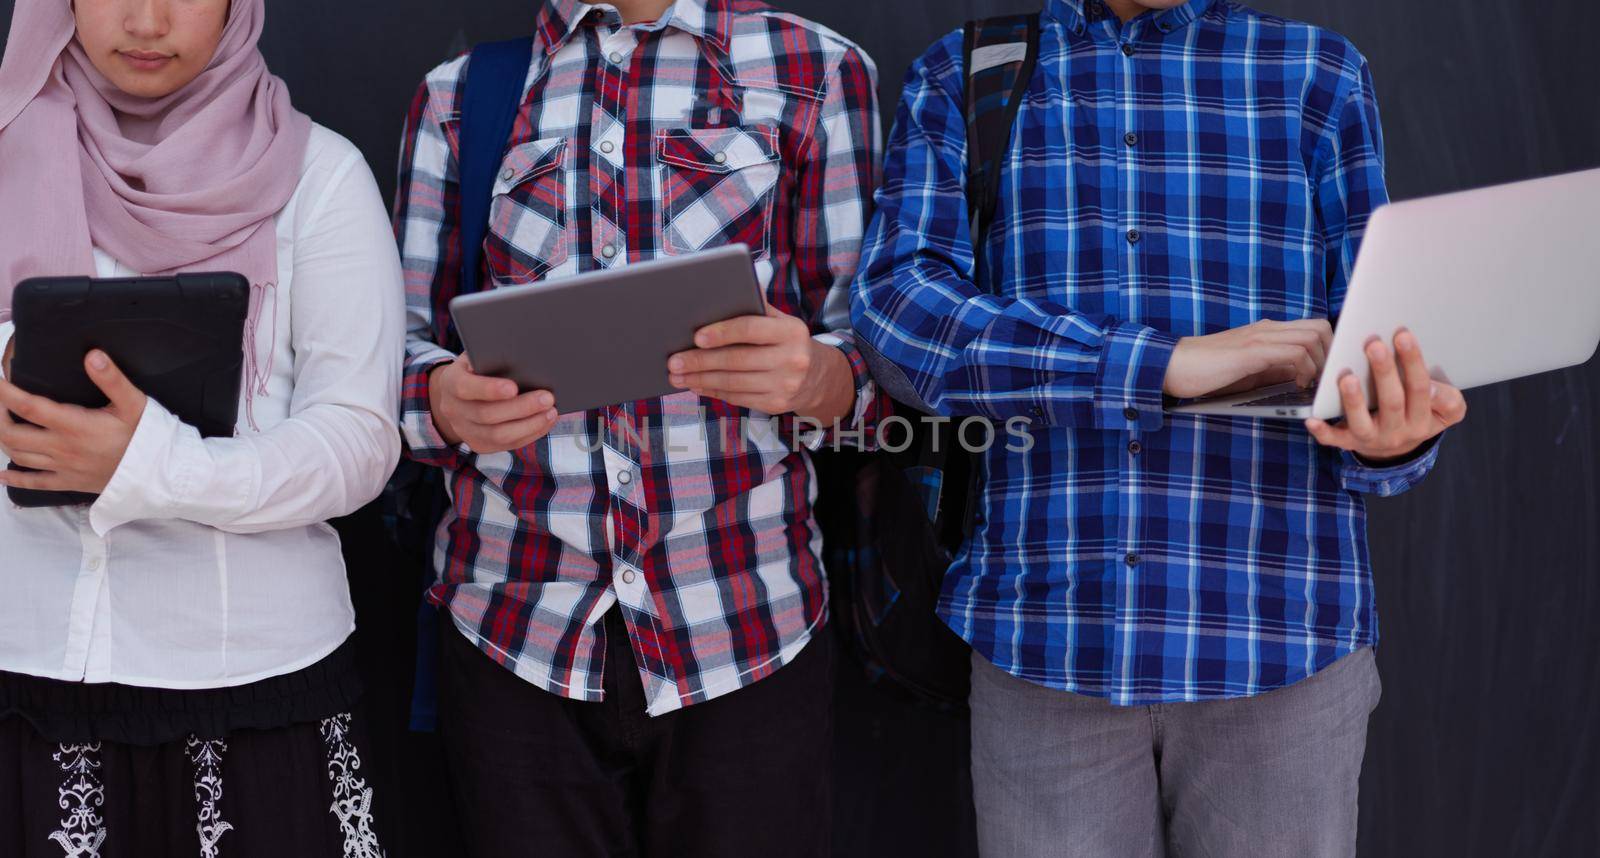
725, 121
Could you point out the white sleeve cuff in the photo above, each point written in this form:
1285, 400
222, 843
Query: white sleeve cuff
168, 472
7, 331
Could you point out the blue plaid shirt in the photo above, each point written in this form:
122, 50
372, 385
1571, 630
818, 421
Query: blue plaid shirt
1181, 174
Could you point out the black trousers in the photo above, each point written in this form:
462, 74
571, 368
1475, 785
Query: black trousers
295, 791
747, 774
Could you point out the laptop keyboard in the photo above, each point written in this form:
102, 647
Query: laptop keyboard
1291, 398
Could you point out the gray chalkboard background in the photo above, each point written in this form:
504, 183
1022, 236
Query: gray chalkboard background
1487, 742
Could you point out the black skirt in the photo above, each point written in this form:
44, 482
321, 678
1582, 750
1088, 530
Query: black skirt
272, 768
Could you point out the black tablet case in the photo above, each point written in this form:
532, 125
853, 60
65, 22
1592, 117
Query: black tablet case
179, 338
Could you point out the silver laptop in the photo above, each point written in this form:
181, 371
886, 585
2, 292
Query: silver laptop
1497, 284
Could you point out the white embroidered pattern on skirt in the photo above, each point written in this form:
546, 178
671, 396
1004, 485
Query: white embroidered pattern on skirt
206, 755
352, 798
81, 795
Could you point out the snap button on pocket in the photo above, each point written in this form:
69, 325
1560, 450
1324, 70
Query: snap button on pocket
718, 186
528, 233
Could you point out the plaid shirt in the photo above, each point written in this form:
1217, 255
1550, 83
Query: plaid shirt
1185, 173
723, 122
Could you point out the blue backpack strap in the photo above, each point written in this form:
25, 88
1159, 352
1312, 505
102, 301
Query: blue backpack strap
495, 75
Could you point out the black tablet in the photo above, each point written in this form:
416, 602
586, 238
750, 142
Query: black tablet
178, 338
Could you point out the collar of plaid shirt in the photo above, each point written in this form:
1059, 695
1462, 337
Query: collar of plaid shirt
1078, 14
710, 20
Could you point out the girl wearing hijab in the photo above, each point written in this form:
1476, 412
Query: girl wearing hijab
175, 677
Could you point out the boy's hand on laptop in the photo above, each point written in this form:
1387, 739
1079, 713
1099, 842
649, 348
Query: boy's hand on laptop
486, 413
769, 364
1413, 409
1246, 358
73, 449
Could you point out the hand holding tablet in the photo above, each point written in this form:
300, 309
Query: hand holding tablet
178, 338
594, 340
487, 414
768, 363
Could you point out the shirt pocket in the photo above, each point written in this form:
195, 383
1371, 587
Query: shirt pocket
528, 233
717, 187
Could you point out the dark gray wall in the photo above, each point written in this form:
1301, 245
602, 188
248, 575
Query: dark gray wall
1486, 743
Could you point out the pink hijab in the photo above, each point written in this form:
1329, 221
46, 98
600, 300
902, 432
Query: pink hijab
187, 182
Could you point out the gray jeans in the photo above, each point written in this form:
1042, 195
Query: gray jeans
1059, 775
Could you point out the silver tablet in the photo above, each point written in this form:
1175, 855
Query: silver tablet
603, 338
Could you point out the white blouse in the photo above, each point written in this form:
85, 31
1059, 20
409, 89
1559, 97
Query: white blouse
208, 562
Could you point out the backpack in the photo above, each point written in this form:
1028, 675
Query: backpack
893, 521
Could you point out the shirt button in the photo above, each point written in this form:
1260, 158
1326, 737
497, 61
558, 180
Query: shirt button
1131, 138
608, 147
506, 174
627, 576
720, 157
1131, 413
609, 251
1135, 447
1128, 49
1134, 236
1131, 560
615, 58
94, 564
624, 477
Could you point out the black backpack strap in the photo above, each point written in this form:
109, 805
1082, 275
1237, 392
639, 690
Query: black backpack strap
495, 76
999, 55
